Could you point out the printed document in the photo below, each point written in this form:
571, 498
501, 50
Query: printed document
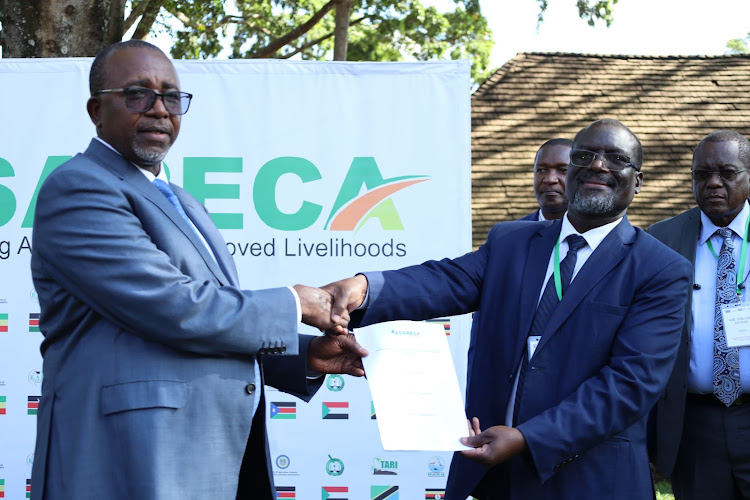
415, 391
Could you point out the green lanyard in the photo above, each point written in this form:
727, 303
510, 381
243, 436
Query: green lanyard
556, 270
743, 252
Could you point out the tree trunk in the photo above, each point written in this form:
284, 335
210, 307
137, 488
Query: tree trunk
341, 31
59, 28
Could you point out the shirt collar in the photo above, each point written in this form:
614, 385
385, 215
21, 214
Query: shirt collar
737, 225
541, 217
593, 236
150, 176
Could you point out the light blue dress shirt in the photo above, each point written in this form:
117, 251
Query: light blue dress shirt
700, 373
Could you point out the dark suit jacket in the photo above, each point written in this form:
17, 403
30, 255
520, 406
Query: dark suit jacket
681, 234
603, 360
149, 343
533, 216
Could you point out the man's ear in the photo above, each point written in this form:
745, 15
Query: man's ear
93, 106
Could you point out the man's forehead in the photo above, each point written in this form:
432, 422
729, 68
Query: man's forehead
137, 64
607, 137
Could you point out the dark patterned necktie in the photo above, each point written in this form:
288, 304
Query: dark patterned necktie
547, 305
726, 383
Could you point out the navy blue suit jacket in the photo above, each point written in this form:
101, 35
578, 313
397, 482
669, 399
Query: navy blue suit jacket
603, 360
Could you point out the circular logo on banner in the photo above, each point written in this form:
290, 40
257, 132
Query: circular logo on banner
334, 466
335, 383
34, 296
435, 464
35, 377
282, 461
30, 460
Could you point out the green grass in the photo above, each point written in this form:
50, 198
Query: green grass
664, 490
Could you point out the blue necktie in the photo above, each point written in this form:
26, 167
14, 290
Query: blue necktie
726, 384
546, 307
169, 194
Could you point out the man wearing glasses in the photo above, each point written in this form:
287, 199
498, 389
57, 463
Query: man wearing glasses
703, 421
564, 372
152, 386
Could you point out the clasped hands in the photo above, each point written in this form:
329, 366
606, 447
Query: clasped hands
328, 309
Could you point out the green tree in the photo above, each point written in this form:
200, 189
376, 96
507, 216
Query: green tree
739, 45
356, 30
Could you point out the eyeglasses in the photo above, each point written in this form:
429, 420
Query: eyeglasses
725, 175
140, 100
614, 161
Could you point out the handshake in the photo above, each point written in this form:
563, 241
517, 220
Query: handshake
328, 308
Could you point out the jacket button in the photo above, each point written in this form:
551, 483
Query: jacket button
250, 388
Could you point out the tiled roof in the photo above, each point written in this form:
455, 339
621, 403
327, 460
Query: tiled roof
669, 102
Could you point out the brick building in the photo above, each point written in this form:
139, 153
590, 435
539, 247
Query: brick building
670, 102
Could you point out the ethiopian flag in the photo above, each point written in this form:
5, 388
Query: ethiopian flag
3, 322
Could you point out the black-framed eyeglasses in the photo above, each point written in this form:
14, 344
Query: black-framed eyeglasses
140, 99
583, 158
725, 175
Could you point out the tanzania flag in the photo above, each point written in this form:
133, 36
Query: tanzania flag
286, 492
32, 405
3, 322
283, 410
2, 488
384, 492
430, 494
2, 405
335, 410
28, 488
335, 493
444, 322
373, 416
34, 322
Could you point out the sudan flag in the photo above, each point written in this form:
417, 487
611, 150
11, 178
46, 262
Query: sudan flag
335, 410
335, 493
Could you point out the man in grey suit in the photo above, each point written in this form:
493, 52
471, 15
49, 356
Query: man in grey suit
152, 352
550, 169
702, 421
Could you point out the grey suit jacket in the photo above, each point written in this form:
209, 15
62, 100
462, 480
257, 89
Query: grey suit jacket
149, 343
680, 233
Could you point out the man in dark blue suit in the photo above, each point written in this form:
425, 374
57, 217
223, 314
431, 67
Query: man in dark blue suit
550, 169
562, 387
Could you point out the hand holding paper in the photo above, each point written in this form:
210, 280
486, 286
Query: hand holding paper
414, 386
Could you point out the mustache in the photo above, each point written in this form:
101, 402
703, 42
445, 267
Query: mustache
601, 178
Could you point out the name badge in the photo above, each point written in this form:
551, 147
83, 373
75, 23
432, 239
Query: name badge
531, 344
736, 324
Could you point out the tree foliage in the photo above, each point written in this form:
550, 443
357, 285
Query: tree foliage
379, 30
589, 10
739, 45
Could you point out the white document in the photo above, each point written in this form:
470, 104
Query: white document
414, 386
737, 325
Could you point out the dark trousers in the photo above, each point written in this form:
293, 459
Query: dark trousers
714, 458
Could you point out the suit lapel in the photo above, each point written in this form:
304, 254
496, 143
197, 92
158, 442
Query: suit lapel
208, 229
129, 173
687, 243
607, 255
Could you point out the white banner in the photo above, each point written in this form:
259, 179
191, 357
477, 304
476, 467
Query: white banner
313, 172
